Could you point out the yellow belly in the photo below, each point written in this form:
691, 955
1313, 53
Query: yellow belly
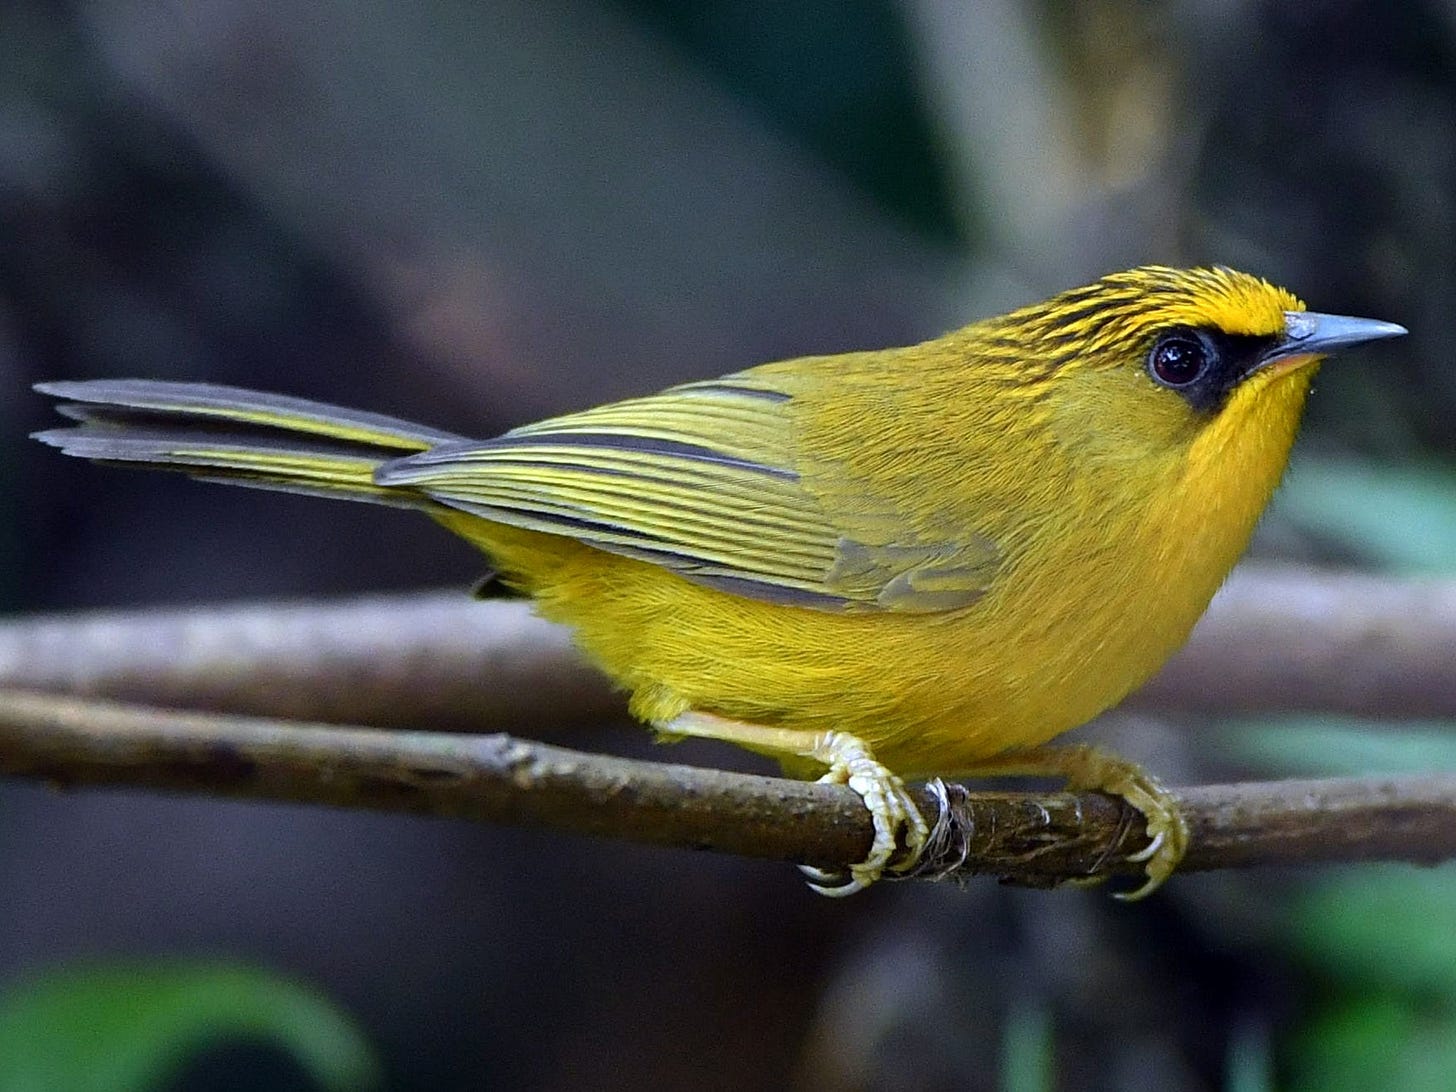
930, 693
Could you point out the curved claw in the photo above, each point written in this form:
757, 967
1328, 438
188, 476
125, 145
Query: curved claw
839, 891
1149, 851
1167, 830
890, 805
850, 762
827, 876
1092, 769
1147, 887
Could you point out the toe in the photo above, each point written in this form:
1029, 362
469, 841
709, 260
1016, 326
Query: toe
895, 814
1168, 840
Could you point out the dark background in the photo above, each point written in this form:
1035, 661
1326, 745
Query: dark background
474, 214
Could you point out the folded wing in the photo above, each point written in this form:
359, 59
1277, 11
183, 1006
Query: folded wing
700, 479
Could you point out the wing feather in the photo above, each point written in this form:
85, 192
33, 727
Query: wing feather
702, 479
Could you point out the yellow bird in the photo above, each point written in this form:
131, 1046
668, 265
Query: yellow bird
912, 561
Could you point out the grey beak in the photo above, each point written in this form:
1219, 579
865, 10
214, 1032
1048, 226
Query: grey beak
1308, 333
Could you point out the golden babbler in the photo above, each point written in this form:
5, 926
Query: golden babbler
912, 561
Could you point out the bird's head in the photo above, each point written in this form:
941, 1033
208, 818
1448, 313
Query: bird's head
1157, 360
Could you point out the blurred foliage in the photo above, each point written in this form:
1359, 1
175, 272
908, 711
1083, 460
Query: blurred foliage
1332, 746
120, 1028
837, 76
1328, 746
1376, 944
1381, 929
1372, 1040
1380, 947
1399, 518
1028, 1050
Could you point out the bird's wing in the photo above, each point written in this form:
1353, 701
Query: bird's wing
701, 479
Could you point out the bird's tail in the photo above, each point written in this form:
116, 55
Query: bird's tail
245, 437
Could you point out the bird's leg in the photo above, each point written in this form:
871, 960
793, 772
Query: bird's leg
1088, 768
851, 763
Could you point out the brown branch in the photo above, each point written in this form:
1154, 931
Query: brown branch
1029, 838
436, 658
1282, 639
1275, 639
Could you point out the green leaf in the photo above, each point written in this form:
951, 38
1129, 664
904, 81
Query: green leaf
1249, 1063
1375, 1042
1381, 927
1028, 1049
1402, 517
1328, 746
1350, 1046
128, 1028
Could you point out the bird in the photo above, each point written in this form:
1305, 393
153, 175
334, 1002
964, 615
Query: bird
873, 566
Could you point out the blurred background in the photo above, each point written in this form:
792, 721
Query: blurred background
476, 214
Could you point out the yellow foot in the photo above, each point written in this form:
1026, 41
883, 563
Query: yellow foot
1088, 768
890, 805
851, 763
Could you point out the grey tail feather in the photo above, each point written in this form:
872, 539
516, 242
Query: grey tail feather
244, 437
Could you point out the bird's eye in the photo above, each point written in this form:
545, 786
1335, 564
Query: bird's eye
1178, 359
